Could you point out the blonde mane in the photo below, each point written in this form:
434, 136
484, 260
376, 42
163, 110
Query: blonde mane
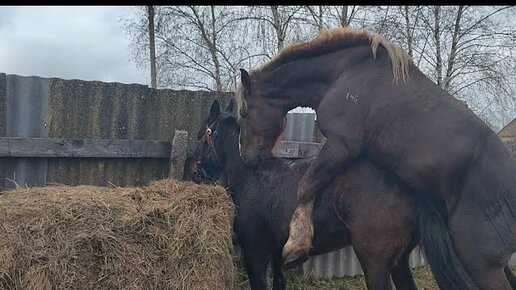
330, 40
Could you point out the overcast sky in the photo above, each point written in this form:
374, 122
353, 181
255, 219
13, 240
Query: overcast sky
85, 43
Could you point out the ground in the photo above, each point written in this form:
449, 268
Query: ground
422, 275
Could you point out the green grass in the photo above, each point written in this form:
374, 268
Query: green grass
422, 275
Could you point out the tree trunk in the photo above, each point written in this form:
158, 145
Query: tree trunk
213, 50
408, 30
317, 16
344, 16
280, 34
210, 39
437, 38
320, 23
150, 13
453, 52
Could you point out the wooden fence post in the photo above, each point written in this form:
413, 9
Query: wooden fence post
178, 154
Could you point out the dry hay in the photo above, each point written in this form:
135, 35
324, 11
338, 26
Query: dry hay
169, 235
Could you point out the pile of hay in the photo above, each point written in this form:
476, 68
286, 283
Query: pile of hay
169, 235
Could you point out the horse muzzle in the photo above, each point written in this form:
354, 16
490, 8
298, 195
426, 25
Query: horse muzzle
201, 175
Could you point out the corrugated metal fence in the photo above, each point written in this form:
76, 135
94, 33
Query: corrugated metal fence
343, 262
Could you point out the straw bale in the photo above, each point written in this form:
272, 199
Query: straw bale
168, 235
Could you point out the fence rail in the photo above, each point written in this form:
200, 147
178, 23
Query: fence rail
120, 148
83, 148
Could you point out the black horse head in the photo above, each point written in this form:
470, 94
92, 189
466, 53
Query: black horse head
209, 151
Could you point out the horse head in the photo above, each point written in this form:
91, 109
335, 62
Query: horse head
261, 122
210, 147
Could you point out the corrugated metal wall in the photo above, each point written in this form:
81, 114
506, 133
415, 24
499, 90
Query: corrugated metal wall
26, 113
343, 262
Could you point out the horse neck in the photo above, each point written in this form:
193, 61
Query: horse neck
235, 171
304, 82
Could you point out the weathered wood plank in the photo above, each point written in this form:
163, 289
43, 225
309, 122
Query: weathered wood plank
286, 149
83, 148
294, 149
157, 149
120, 148
178, 153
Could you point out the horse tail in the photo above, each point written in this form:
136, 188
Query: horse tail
439, 250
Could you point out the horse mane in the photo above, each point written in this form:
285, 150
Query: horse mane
330, 40
239, 99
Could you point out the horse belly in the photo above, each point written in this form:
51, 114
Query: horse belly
430, 164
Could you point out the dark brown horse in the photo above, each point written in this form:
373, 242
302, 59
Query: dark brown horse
365, 206
373, 102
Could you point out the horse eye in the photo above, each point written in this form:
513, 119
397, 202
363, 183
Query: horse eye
208, 130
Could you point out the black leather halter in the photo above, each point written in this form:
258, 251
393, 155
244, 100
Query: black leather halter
208, 141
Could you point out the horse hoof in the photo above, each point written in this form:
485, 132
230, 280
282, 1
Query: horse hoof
295, 259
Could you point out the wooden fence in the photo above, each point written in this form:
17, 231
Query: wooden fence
89, 132
176, 151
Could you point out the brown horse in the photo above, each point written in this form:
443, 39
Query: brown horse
383, 228
369, 105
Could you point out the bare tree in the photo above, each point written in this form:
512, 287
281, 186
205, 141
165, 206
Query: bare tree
464, 49
467, 50
282, 20
411, 16
331, 16
317, 16
152, 47
195, 46
468, 45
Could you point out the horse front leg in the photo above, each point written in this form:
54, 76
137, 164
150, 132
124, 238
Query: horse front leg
256, 263
279, 282
332, 159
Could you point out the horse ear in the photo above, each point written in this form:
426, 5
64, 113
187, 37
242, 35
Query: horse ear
215, 109
245, 79
230, 106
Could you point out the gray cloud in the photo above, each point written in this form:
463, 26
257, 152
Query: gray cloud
67, 42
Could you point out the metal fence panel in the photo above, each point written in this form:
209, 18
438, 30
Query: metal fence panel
26, 116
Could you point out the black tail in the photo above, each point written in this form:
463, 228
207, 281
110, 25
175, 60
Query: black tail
439, 249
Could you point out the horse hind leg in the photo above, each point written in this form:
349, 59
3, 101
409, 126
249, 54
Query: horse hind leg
377, 277
401, 274
483, 253
374, 262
